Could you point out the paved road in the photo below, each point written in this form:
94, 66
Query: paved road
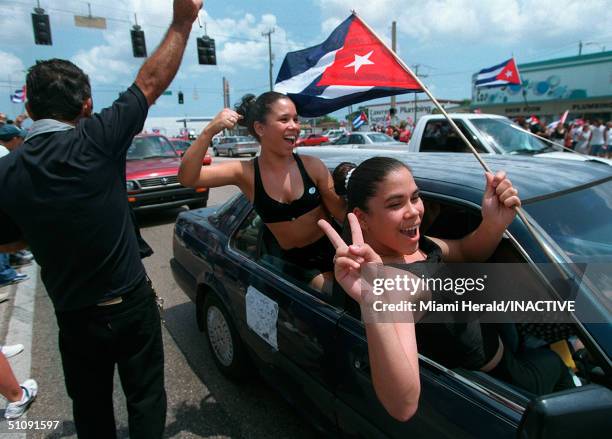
201, 402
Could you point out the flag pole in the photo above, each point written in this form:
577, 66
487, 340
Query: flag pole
519, 212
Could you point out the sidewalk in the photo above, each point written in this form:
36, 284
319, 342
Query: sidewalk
16, 319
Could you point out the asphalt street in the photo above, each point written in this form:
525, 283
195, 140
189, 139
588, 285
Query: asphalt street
201, 402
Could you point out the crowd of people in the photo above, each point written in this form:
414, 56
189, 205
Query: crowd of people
590, 137
73, 160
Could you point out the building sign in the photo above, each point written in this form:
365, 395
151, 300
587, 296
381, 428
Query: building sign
569, 79
378, 114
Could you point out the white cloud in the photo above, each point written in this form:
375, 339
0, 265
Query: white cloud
11, 69
529, 22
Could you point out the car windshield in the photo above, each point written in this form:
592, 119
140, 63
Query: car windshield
150, 147
508, 137
380, 137
180, 144
579, 222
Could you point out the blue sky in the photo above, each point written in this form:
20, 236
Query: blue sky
449, 39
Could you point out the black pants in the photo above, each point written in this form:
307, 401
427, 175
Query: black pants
127, 334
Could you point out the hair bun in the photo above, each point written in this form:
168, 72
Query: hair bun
244, 107
339, 176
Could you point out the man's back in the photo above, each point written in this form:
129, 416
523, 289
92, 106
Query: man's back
66, 192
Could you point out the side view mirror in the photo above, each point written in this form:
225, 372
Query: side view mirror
583, 412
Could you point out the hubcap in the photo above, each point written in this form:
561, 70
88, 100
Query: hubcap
220, 336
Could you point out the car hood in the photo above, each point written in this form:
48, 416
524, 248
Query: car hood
572, 156
136, 169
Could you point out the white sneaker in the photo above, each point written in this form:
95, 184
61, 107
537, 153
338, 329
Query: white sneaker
15, 409
11, 350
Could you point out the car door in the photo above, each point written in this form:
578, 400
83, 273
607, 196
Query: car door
288, 326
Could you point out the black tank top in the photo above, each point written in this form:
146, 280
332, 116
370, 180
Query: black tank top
272, 211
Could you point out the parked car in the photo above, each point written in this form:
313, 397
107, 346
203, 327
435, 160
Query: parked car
311, 140
313, 348
334, 134
152, 176
232, 146
368, 139
180, 146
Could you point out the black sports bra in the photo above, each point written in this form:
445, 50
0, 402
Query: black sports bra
272, 211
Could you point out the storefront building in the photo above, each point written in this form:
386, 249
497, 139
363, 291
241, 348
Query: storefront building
580, 84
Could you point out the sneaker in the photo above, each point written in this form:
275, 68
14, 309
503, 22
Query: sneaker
4, 297
11, 350
15, 409
20, 258
19, 277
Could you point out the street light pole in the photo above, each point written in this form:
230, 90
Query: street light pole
268, 34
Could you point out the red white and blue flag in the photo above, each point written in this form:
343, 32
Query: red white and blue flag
359, 120
19, 96
502, 74
351, 66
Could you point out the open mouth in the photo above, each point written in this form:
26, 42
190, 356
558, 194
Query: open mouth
410, 232
290, 139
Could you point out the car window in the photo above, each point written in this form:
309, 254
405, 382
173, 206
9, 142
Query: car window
342, 140
439, 136
508, 137
254, 240
380, 137
150, 147
356, 139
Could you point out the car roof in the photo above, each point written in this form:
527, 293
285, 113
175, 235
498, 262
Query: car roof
534, 177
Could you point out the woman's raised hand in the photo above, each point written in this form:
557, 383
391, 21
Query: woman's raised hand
500, 200
225, 119
349, 259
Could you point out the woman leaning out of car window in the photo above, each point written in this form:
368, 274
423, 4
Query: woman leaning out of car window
289, 192
386, 216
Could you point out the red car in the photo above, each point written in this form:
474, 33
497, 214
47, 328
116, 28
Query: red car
311, 140
152, 176
181, 145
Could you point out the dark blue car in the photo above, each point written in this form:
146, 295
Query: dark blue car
312, 347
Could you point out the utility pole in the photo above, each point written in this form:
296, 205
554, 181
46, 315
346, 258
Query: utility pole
394, 48
226, 95
268, 34
415, 69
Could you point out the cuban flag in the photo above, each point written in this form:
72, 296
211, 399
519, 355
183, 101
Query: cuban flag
359, 120
353, 65
502, 74
19, 96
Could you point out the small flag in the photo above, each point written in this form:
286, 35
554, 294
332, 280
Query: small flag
502, 74
351, 66
359, 120
561, 121
19, 96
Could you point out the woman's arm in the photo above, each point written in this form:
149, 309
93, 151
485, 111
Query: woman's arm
334, 203
498, 211
193, 174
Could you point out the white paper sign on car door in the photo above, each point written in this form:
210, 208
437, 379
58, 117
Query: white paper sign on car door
262, 315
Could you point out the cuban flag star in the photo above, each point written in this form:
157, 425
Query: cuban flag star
353, 65
502, 74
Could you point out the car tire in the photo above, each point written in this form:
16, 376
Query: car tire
215, 152
229, 353
230, 152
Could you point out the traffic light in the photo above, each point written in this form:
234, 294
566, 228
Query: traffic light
206, 50
42, 29
139, 45
180, 97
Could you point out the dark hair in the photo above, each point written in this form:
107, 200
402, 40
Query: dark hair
364, 180
56, 89
255, 110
